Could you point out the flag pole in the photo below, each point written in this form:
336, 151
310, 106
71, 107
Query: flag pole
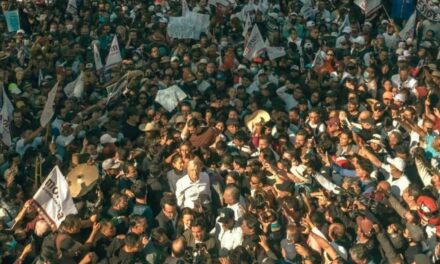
38, 171
386, 12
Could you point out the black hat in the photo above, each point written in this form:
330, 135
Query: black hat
379, 107
226, 214
286, 186
331, 93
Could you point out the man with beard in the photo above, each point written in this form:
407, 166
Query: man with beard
108, 183
118, 212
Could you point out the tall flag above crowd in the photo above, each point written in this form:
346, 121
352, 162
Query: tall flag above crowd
369, 6
255, 44
48, 110
114, 55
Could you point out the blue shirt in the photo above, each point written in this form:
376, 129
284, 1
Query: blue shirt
429, 149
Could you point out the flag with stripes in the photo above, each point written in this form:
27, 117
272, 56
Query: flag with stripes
114, 90
6, 118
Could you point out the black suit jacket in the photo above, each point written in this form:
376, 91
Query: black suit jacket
167, 224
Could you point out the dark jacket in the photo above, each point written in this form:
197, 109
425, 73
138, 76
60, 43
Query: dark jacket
167, 224
117, 255
209, 243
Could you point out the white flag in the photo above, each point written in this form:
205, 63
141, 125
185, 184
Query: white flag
345, 23
76, 87
53, 198
114, 55
6, 118
255, 44
185, 8
409, 29
369, 7
48, 110
372, 6
274, 52
114, 91
247, 25
361, 3
72, 8
319, 59
97, 56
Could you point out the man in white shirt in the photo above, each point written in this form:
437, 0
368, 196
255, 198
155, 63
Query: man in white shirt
391, 37
191, 186
231, 197
293, 38
397, 179
227, 234
394, 169
403, 80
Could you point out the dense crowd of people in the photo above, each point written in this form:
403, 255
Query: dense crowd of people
326, 154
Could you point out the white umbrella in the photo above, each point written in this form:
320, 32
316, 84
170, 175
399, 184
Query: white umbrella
170, 97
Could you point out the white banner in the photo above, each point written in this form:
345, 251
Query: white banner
429, 9
6, 118
255, 44
114, 55
97, 57
53, 199
12, 20
410, 28
188, 27
48, 110
170, 97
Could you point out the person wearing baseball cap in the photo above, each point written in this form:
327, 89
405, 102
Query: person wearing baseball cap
394, 168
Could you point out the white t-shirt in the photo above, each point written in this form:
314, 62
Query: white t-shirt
188, 192
397, 185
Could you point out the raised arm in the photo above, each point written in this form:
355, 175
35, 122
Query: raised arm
371, 157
